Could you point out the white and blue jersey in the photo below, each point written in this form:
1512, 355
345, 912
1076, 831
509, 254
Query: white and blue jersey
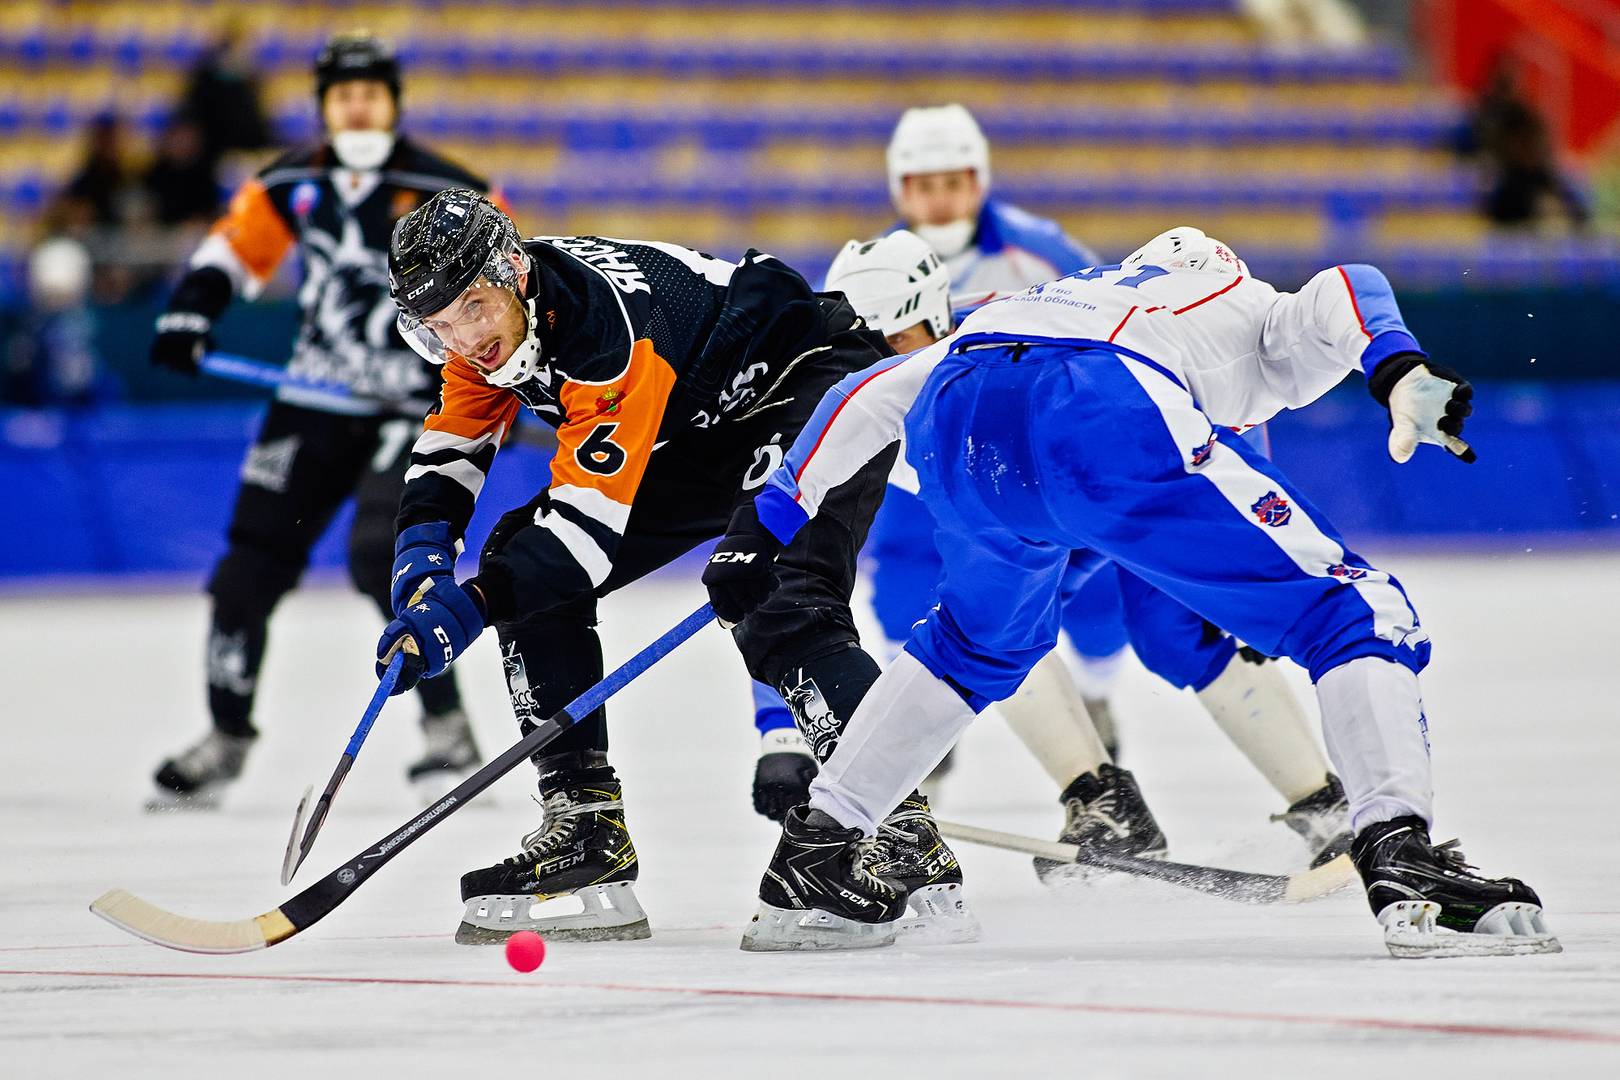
1098, 412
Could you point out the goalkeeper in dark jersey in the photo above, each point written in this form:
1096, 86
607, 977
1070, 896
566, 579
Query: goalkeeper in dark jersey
674, 380
336, 204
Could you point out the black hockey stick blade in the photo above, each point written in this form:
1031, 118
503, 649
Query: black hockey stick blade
1240, 886
145, 920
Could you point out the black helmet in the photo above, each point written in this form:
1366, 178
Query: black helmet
356, 55
445, 245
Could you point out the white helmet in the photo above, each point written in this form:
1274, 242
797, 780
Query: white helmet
894, 282
942, 138
1187, 248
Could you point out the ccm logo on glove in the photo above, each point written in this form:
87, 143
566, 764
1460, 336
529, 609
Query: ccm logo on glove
733, 556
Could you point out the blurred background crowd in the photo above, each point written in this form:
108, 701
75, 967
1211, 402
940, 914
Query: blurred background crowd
1470, 148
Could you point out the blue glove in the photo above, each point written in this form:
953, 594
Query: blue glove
420, 552
433, 631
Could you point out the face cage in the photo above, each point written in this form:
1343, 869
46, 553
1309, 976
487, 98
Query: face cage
500, 271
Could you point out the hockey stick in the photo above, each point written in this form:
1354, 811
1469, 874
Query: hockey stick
258, 373
134, 915
297, 852
1237, 885
252, 372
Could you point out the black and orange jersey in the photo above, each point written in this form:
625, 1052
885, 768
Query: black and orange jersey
339, 220
640, 343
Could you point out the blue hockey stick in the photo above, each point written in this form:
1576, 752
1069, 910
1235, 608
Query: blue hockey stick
242, 369
146, 920
298, 850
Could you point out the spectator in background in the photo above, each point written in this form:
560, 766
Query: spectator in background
100, 192
1511, 139
181, 181
51, 359
222, 97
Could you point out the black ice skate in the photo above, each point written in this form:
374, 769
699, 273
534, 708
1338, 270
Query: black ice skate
581, 850
1106, 815
783, 772
1432, 903
1322, 820
195, 778
817, 894
450, 757
909, 851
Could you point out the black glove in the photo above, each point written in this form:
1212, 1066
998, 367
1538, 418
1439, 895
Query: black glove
185, 332
1427, 403
783, 773
741, 575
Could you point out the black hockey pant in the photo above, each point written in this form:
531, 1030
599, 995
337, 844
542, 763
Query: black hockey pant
297, 474
802, 641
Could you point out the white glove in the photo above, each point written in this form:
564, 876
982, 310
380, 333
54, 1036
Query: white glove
1427, 403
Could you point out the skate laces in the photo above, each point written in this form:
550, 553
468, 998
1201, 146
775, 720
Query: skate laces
1450, 854
880, 847
1101, 810
556, 827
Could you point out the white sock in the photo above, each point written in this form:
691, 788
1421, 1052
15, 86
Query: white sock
1049, 715
903, 727
1377, 738
1260, 714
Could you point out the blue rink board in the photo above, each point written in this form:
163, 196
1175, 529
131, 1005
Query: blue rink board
147, 489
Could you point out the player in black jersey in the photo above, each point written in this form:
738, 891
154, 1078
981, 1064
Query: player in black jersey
674, 380
336, 203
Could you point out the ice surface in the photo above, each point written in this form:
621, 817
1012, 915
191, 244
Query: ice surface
1123, 979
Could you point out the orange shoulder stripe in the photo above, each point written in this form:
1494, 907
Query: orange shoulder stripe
255, 230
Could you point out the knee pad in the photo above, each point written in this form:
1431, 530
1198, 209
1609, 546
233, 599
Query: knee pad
548, 661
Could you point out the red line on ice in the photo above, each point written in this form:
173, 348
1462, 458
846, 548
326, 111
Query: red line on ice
1354, 1022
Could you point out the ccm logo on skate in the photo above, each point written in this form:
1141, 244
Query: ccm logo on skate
733, 557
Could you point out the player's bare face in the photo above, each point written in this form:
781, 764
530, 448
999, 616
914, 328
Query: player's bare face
910, 339
484, 326
359, 105
940, 198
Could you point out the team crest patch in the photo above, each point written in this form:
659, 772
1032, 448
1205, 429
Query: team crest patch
1200, 454
305, 197
1272, 510
609, 402
1346, 573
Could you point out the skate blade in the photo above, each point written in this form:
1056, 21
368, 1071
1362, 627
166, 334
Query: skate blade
204, 798
937, 915
1513, 929
775, 929
607, 913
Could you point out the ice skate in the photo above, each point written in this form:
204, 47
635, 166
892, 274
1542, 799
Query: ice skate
450, 757
1106, 814
1432, 903
580, 858
1322, 820
783, 772
196, 778
817, 893
908, 850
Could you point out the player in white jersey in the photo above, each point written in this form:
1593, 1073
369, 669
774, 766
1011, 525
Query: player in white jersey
1096, 412
899, 286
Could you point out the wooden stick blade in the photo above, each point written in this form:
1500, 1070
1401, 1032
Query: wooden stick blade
1330, 877
294, 856
135, 916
